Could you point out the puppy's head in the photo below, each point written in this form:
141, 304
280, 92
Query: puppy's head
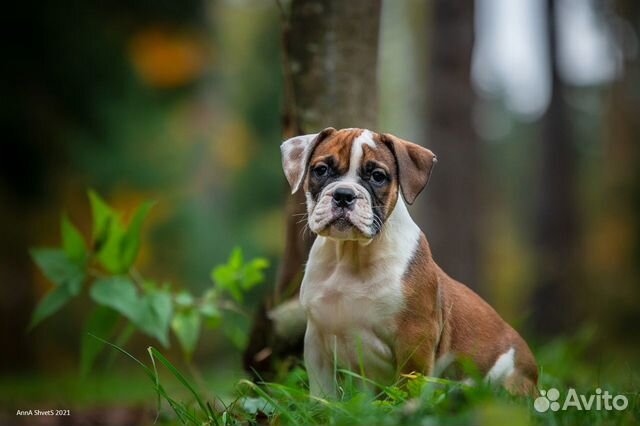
353, 178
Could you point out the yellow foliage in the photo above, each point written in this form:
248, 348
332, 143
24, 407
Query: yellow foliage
167, 59
232, 145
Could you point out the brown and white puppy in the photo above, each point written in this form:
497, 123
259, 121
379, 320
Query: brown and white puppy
374, 298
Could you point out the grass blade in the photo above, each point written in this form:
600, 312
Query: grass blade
153, 352
180, 411
268, 398
119, 349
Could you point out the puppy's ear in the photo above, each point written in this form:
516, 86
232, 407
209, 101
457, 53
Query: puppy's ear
296, 153
414, 165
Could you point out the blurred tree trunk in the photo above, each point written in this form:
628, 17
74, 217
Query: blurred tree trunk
617, 307
556, 221
330, 55
451, 204
16, 294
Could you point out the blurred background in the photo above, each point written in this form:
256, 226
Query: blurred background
532, 107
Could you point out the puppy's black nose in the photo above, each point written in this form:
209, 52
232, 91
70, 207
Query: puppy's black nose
343, 197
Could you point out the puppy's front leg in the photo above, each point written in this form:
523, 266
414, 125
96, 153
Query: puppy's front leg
319, 364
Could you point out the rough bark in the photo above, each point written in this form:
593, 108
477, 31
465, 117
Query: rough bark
330, 52
451, 209
556, 218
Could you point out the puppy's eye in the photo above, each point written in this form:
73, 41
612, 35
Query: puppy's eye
378, 176
320, 170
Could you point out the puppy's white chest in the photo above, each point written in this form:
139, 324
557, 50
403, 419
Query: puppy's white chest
352, 309
354, 320
344, 302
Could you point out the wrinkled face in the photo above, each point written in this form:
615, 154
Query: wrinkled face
350, 185
353, 178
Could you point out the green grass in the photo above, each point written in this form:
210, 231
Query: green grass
413, 400
68, 389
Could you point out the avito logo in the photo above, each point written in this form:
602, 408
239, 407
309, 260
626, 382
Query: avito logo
550, 399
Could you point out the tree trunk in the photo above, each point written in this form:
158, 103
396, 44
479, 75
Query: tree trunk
330, 52
556, 220
616, 275
450, 208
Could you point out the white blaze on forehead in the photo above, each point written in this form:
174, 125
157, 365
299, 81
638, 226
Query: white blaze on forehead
357, 152
502, 368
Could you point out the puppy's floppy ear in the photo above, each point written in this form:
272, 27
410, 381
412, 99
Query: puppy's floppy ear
296, 153
415, 164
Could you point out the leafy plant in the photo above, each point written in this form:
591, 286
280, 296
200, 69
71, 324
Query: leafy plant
106, 266
236, 277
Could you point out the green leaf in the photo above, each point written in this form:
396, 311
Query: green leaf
186, 326
235, 260
66, 274
108, 233
131, 239
116, 246
101, 323
150, 313
184, 299
103, 216
210, 310
57, 267
109, 253
256, 405
72, 241
162, 306
236, 278
226, 278
259, 263
253, 274
50, 304
155, 315
118, 293
211, 313
285, 412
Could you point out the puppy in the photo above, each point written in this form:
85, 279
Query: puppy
375, 300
